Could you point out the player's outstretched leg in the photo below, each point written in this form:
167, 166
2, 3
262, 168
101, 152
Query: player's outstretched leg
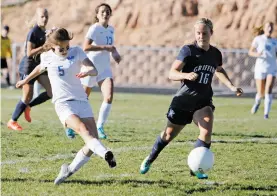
203, 118
102, 118
157, 148
256, 105
170, 132
81, 158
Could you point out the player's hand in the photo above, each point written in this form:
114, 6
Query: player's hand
109, 48
116, 56
192, 76
82, 74
20, 83
237, 90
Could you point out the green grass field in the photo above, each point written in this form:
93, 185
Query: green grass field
245, 148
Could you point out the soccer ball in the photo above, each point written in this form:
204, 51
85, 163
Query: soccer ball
200, 159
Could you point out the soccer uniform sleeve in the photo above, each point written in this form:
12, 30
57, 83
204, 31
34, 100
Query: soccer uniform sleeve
91, 34
255, 42
81, 54
31, 37
183, 54
44, 61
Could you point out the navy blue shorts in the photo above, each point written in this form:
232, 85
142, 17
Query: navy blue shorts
182, 117
26, 66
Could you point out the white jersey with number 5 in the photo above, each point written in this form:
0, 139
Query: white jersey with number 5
268, 47
62, 74
100, 36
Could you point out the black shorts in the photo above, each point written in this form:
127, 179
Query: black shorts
26, 67
4, 63
182, 117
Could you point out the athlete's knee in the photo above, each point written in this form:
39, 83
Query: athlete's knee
27, 99
167, 135
108, 98
81, 128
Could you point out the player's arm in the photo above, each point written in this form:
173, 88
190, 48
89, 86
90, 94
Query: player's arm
36, 72
88, 47
253, 52
90, 69
176, 67
223, 77
32, 51
253, 49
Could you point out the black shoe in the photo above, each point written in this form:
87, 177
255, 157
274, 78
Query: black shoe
110, 159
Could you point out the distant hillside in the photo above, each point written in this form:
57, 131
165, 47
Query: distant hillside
151, 22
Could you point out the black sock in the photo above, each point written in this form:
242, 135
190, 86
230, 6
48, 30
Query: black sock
19, 109
8, 80
40, 99
200, 143
157, 148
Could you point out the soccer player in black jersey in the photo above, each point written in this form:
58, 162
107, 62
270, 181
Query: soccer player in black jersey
33, 48
194, 67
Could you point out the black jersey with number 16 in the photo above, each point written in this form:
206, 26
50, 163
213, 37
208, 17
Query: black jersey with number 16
194, 94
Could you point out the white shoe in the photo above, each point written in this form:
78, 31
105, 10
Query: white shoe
64, 173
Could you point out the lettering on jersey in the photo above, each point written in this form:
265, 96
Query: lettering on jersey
268, 47
208, 68
203, 76
70, 58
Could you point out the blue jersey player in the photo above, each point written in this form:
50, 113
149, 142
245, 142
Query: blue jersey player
194, 67
33, 49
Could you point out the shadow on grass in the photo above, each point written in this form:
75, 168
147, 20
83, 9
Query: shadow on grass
185, 188
134, 183
233, 187
241, 135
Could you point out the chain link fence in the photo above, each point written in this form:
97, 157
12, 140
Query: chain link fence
147, 67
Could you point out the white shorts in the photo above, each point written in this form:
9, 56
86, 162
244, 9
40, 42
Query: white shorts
91, 81
263, 75
67, 108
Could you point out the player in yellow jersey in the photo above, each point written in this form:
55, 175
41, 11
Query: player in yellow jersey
6, 53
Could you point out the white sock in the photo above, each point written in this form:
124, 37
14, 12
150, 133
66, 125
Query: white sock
37, 88
103, 114
257, 99
97, 147
267, 103
79, 160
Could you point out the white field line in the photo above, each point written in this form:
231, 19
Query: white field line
140, 148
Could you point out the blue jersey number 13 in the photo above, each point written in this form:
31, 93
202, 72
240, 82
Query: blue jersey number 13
109, 40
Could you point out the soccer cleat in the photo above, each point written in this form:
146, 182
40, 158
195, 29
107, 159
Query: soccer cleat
109, 157
70, 133
14, 125
145, 166
27, 114
101, 133
266, 116
255, 108
64, 173
199, 174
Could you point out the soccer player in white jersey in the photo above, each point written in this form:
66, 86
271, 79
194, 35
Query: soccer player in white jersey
264, 47
63, 64
99, 45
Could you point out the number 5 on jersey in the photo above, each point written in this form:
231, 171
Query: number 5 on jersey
61, 70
